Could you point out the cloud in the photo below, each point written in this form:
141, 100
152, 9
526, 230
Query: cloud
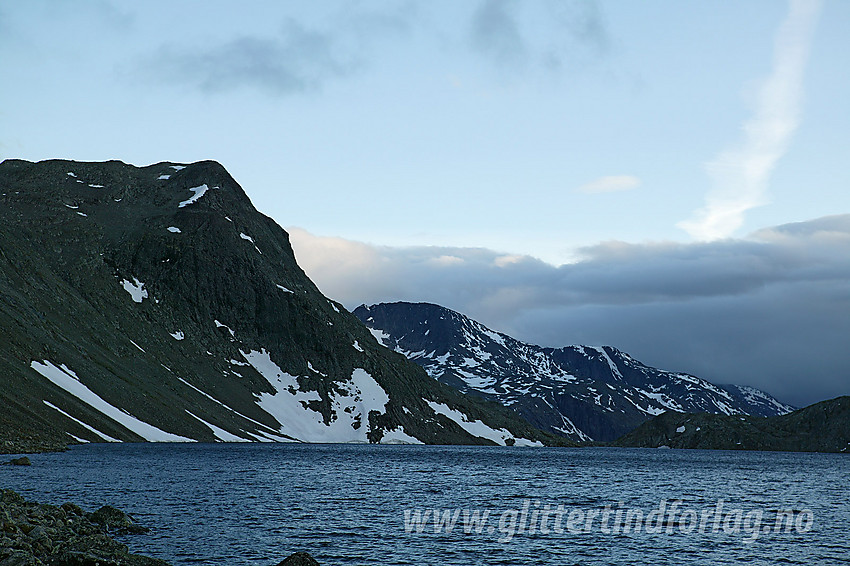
495, 32
305, 57
741, 174
563, 33
610, 184
769, 310
298, 59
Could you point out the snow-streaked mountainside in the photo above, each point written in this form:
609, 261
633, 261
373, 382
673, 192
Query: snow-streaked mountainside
582, 392
157, 304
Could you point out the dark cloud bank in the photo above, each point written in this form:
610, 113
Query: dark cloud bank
771, 310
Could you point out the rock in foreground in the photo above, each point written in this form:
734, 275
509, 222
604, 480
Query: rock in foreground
299, 559
34, 534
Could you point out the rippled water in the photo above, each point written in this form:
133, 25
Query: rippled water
345, 504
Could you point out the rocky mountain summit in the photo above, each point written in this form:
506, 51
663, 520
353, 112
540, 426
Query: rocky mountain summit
582, 392
156, 304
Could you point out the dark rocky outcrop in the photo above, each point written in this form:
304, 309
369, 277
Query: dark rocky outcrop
115, 521
32, 534
14, 440
822, 427
299, 559
22, 461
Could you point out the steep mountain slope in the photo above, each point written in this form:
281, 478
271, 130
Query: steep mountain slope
822, 427
156, 303
583, 392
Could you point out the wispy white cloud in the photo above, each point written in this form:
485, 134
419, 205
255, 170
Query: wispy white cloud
610, 184
740, 174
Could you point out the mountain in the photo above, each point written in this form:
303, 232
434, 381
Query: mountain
155, 303
822, 427
582, 392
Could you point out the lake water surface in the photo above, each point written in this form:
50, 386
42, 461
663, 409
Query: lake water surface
254, 504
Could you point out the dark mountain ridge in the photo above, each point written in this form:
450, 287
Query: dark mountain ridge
582, 392
822, 427
155, 303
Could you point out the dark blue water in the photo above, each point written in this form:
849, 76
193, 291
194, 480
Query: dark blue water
345, 504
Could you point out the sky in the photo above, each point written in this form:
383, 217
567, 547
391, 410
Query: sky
667, 177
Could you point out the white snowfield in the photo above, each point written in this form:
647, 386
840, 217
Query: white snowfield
65, 378
199, 192
478, 428
136, 289
351, 405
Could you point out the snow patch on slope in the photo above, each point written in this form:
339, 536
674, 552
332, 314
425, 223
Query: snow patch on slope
614, 369
136, 289
478, 428
66, 379
198, 193
102, 435
379, 335
290, 406
219, 433
235, 412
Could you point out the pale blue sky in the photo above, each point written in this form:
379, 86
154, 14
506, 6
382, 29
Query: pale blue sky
435, 123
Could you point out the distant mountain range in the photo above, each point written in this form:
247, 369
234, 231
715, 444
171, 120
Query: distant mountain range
822, 427
155, 303
581, 392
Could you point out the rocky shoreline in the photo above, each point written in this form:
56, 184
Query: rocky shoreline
34, 534
32, 445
